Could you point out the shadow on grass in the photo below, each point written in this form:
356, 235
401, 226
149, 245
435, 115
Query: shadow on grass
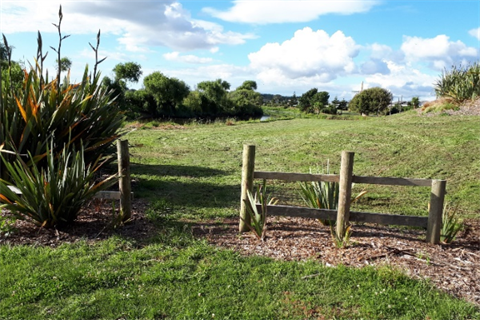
176, 171
184, 186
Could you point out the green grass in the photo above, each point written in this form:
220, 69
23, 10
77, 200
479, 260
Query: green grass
194, 173
177, 277
198, 169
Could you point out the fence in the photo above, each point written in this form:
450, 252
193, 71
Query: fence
433, 223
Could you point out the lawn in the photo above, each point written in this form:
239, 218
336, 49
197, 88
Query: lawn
192, 173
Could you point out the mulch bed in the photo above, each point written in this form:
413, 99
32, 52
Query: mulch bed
454, 268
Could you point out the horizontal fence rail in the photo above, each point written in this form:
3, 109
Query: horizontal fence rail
343, 215
357, 216
389, 181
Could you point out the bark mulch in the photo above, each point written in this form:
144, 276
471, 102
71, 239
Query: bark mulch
454, 268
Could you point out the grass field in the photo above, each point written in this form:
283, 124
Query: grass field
193, 172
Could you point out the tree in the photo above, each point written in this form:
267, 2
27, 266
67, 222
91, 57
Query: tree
415, 102
214, 96
246, 102
65, 64
373, 100
167, 92
313, 100
248, 85
305, 101
129, 71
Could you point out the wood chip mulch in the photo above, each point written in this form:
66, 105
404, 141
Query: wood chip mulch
454, 268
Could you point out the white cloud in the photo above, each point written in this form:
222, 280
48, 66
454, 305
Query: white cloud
281, 11
403, 80
475, 33
440, 52
309, 54
149, 23
175, 56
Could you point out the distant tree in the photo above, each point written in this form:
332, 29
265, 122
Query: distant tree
140, 102
305, 101
245, 102
343, 105
65, 64
129, 71
193, 102
320, 100
415, 102
313, 100
214, 96
167, 92
373, 100
248, 85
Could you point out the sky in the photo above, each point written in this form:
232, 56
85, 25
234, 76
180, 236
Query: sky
286, 46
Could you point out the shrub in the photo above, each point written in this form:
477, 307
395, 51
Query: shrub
40, 108
53, 195
373, 100
459, 83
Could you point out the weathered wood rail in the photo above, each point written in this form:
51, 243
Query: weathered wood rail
433, 223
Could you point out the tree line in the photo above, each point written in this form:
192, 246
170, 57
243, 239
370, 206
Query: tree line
165, 97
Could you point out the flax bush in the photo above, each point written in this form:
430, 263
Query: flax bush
459, 83
39, 108
53, 135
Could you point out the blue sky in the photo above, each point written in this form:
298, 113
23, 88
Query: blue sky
285, 46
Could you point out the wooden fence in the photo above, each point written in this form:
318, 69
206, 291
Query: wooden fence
433, 223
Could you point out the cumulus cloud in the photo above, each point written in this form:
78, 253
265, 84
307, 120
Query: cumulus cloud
403, 79
153, 23
440, 52
475, 33
373, 66
281, 11
308, 54
177, 57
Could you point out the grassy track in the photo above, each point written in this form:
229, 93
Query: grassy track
194, 173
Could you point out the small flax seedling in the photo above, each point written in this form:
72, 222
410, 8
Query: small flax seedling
258, 218
341, 241
321, 195
451, 226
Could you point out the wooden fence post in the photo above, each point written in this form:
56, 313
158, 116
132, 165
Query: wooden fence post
437, 197
345, 193
124, 181
248, 168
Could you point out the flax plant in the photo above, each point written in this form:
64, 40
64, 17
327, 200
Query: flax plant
256, 206
53, 195
31, 113
459, 83
451, 225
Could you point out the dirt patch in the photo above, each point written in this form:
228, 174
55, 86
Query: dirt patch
454, 268
468, 108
